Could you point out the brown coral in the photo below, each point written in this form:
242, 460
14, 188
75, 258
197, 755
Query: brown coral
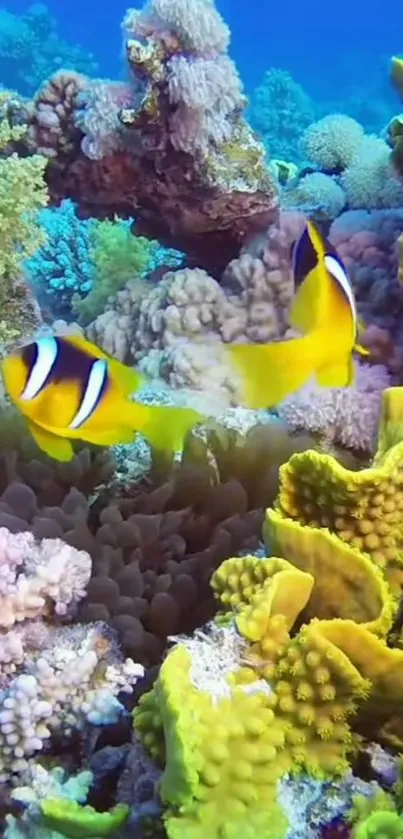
52, 130
204, 204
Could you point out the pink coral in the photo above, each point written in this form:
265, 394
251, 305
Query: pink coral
101, 102
52, 678
346, 416
368, 245
52, 129
195, 24
34, 573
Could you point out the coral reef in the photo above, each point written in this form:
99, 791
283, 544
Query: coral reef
333, 141
293, 671
31, 50
118, 257
368, 244
254, 579
280, 110
63, 265
354, 170
345, 416
154, 552
182, 116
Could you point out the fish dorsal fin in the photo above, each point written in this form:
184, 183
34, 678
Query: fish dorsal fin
127, 379
310, 280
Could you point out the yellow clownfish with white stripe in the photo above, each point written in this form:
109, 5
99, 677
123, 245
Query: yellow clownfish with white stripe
69, 389
324, 310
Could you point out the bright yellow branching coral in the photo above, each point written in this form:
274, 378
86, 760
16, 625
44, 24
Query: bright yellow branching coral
347, 583
22, 193
364, 509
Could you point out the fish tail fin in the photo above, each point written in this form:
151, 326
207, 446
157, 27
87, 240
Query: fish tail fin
339, 374
270, 372
166, 426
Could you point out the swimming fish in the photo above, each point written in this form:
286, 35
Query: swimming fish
69, 389
324, 310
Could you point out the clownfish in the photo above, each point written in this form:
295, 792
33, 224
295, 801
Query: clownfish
324, 310
69, 389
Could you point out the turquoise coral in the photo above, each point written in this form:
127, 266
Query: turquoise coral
63, 265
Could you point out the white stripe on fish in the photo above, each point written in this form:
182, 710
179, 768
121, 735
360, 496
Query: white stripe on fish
96, 381
337, 271
47, 352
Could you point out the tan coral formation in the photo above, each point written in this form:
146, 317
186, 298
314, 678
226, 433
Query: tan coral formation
176, 329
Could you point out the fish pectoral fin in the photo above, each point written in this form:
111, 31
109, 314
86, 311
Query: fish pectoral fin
337, 375
116, 435
57, 447
167, 426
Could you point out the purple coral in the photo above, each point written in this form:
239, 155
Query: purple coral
98, 117
346, 416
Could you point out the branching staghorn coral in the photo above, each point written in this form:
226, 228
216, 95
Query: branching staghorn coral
280, 110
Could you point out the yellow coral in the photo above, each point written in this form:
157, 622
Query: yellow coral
256, 588
315, 686
364, 509
381, 666
22, 193
317, 689
347, 584
391, 421
221, 785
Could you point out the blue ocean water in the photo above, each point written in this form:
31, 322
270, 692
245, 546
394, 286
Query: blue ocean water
334, 50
